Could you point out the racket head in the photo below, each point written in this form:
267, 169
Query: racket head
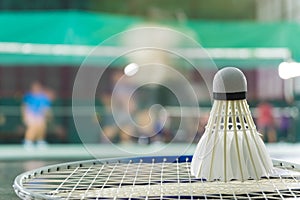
158, 177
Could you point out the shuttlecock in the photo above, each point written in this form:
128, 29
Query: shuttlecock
230, 148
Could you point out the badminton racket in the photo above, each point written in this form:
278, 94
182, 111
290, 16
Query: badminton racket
149, 178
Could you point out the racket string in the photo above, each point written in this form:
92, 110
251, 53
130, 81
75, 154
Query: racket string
123, 177
93, 181
135, 178
162, 179
154, 180
107, 179
78, 182
291, 176
64, 181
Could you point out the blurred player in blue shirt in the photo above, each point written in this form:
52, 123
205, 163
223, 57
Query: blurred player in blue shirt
35, 110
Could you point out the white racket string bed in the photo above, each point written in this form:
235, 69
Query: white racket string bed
150, 178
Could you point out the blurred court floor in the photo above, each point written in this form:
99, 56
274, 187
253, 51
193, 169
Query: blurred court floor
14, 160
10, 169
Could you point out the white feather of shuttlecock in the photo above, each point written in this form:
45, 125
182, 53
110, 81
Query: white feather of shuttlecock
231, 148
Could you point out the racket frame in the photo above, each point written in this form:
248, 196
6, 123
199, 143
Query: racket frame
25, 193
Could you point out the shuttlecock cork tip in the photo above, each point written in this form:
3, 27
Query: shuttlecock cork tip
229, 84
